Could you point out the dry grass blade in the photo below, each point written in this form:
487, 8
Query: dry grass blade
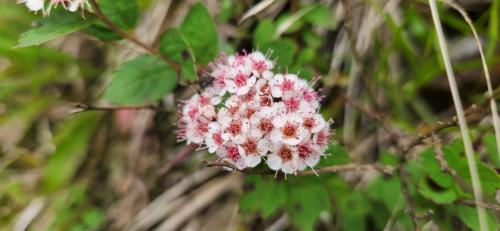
256, 9
476, 184
493, 105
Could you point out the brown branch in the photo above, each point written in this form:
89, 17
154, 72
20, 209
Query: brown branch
473, 203
131, 38
389, 170
80, 107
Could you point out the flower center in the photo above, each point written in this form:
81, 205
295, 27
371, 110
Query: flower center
304, 151
218, 138
264, 89
233, 154
235, 128
265, 101
202, 128
204, 100
249, 112
240, 80
287, 85
309, 123
265, 125
289, 130
292, 104
233, 110
250, 146
285, 153
322, 138
260, 66
193, 112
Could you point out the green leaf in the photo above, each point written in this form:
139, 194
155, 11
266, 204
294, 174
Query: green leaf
201, 34
322, 16
141, 80
469, 216
437, 194
59, 23
433, 169
491, 148
266, 197
71, 146
336, 155
264, 32
305, 203
174, 45
282, 51
123, 13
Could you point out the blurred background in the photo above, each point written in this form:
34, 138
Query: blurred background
123, 170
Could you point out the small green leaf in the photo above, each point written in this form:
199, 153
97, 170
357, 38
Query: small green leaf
439, 195
174, 45
321, 16
336, 155
264, 32
123, 13
141, 80
200, 33
491, 148
282, 51
305, 203
266, 197
468, 215
59, 23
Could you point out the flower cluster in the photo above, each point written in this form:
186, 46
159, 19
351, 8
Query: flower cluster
263, 116
46, 5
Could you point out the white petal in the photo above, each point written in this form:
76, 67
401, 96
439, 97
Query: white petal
288, 167
276, 136
252, 160
312, 160
274, 162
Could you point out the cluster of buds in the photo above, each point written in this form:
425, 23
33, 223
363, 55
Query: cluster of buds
250, 113
45, 6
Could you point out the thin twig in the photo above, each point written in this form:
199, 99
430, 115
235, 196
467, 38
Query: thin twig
473, 203
80, 107
131, 38
445, 167
330, 169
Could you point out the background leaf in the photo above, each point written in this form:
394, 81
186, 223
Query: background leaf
141, 80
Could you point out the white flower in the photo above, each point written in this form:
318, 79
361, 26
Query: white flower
288, 129
231, 154
215, 138
283, 157
33, 5
253, 149
240, 82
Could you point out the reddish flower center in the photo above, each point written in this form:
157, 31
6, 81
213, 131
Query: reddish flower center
260, 66
266, 101
292, 104
193, 112
287, 85
249, 112
265, 125
289, 130
202, 128
240, 80
309, 123
322, 138
304, 151
218, 138
204, 100
233, 154
235, 128
285, 153
248, 96
233, 110
250, 146
264, 89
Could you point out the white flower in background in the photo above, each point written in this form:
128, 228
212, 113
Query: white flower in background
70, 5
33, 5
250, 115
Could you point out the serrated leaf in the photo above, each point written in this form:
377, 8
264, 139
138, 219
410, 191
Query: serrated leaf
264, 33
282, 51
440, 196
491, 148
123, 13
305, 203
174, 45
201, 34
468, 215
59, 23
266, 197
141, 80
